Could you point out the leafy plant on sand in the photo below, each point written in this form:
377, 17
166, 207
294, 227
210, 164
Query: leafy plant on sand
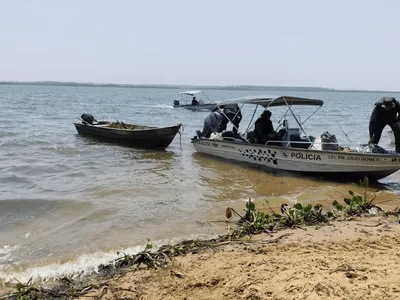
300, 214
358, 204
26, 291
255, 221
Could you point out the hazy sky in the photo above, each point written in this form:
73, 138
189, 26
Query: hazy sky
350, 44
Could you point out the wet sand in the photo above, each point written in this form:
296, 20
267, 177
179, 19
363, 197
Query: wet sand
355, 259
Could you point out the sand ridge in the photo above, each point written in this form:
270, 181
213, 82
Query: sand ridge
355, 259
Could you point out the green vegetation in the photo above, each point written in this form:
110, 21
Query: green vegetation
255, 221
358, 204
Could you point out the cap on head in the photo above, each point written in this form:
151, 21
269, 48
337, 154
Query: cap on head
388, 103
387, 99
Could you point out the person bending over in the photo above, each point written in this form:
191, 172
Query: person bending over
386, 112
211, 124
233, 114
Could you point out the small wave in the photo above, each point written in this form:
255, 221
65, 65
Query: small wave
85, 264
6, 254
162, 106
155, 106
12, 178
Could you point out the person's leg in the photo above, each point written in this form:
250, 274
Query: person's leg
222, 125
233, 117
235, 126
396, 130
379, 128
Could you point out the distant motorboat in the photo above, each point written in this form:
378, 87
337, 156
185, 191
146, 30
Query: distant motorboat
194, 100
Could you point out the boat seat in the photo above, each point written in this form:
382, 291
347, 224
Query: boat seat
292, 136
294, 131
229, 135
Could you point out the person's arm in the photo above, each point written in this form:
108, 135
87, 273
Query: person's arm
372, 121
239, 115
397, 105
258, 128
269, 127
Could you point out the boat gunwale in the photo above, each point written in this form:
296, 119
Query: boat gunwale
149, 128
391, 155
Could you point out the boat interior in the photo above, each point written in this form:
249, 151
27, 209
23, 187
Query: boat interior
121, 125
285, 137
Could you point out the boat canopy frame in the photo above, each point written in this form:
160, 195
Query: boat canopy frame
273, 101
186, 96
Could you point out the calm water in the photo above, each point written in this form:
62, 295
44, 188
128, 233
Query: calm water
69, 202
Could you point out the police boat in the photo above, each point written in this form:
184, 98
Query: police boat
290, 148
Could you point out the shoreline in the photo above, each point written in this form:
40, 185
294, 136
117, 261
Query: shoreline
193, 86
341, 254
342, 260
347, 258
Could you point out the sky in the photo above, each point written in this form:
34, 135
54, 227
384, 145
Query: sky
342, 44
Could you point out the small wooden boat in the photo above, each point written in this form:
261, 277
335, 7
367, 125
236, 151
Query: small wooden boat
129, 134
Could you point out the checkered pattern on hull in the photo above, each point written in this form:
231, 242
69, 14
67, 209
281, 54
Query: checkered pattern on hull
260, 155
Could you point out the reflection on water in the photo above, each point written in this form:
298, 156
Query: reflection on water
233, 181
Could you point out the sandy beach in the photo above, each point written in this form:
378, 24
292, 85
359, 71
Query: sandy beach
344, 257
353, 259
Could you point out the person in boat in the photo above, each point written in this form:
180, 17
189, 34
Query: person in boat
263, 129
231, 113
195, 102
211, 124
386, 112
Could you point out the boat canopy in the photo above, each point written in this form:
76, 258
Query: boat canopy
191, 93
269, 101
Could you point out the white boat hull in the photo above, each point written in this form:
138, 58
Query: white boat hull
201, 107
319, 162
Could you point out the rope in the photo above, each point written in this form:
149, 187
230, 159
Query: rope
181, 129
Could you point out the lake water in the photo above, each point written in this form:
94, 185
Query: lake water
68, 203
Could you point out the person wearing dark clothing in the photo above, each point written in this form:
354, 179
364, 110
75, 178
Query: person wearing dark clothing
385, 112
263, 129
211, 124
231, 113
194, 101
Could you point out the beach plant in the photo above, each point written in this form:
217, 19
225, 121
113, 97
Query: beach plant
358, 204
293, 216
255, 221
300, 214
25, 291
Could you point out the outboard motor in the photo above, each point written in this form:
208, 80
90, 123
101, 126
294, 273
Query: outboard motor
88, 118
176, 102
